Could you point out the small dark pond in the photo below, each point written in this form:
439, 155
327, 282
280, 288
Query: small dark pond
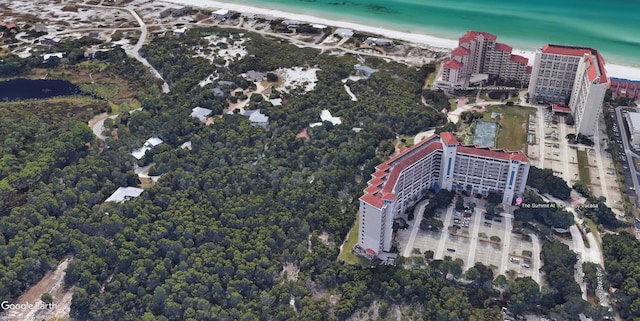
34, 89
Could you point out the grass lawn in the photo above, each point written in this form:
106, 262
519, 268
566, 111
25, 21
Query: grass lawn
102, 90
352, 239
431, 78
594, 229
512, 134
408, 140
126, 106
468, 140
452, 101
583, 167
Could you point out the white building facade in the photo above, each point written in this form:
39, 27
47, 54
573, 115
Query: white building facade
479, 53
436, 162
577, 74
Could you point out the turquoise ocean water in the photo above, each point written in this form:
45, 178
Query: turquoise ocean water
611, 26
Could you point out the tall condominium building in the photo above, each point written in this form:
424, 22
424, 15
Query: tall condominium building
436, 162
577, 74
479, 53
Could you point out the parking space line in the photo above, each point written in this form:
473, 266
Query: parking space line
506, 243
416, 226
445, 232
475, 225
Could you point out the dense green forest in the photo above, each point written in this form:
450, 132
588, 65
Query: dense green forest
621, 254
211, 239
245, 225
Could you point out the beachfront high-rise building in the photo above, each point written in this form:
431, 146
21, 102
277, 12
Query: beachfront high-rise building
478, 53
576, 74
436, 162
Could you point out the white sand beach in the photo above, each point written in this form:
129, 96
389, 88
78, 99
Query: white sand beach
613, 70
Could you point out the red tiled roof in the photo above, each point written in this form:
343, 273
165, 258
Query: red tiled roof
371, 199
452, 64
559, 107
591, 70
472, 35
397, 168
529, 69
520, 59
374, 194
460, 51
448, 138
593, 55
303, 134
382, 183
503, 47
565, 50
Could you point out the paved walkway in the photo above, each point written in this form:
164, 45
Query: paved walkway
506, 243
443, 235
417, 214
475, 227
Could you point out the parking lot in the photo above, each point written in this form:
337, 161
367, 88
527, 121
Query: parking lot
478, 240
561, 157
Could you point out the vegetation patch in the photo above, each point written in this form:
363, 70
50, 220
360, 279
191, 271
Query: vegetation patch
101, 90
346, 254
583, 167
512, 134
127, 105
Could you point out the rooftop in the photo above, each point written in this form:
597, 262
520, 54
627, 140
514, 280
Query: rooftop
503, 47
149, 144
386, 175
460, 51
520, 59
276, 101
344, 32
365, 69
124, 194
634, 119
595, 69
257, 117
200, 113
473, 35
560, 108
325, 115
452, 64
304, 133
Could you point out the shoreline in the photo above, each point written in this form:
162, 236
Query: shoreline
436, 43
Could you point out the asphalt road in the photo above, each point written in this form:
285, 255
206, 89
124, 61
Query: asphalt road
630, 171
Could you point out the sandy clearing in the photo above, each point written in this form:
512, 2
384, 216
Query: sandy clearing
52, 283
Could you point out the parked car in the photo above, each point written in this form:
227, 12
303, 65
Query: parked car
451, 250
